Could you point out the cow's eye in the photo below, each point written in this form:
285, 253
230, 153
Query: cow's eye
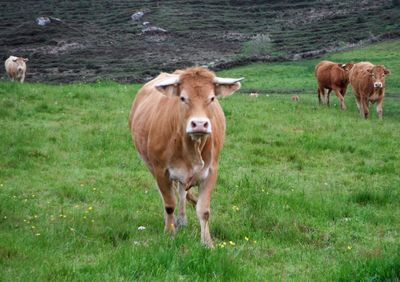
183, 99
212, 99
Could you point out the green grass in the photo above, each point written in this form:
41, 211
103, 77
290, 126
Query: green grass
315, 190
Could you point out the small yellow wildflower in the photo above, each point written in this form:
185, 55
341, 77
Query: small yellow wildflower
5, 217
92, 220
90, 208
37, 234
94, 189
84, 217
33, 227
246, 238
254, 241
232, 243
35, 216
72, 229
349, 247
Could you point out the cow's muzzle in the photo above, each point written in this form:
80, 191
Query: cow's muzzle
198, 126
378, 85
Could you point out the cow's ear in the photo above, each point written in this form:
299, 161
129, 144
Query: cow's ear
25, 59
169, 86
386, 71
343, 66
226, 86
14, 59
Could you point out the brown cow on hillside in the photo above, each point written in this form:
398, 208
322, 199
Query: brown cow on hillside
178, 129
368, 82
16, 68
332, 76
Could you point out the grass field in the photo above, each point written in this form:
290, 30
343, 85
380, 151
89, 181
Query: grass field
305, 192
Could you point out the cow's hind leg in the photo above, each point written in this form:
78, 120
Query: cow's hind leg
328, 94
320, 92
167, 193
341, 99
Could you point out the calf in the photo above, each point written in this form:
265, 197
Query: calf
332, 76
368, 82
16, 68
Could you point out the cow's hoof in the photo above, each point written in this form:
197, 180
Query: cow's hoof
181, 222
208, 244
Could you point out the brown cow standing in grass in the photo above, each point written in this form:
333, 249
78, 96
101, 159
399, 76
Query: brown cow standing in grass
368, 82
332, 76
178, 128
16, 68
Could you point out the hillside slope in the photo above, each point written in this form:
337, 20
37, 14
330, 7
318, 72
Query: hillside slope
89, 40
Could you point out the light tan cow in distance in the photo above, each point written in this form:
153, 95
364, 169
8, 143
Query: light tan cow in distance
368, 82
332, 76
178, 128
16, 68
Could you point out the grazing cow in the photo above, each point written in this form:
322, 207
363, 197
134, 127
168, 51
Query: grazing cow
178, 129
332, 76
16, 68
368, 82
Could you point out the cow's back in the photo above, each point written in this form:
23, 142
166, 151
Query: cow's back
359, 77
329, 74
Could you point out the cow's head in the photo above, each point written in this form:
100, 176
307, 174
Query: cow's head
346, 67
21, 64
377, 74
197, 90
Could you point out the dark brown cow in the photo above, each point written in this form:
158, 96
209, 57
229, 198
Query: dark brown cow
368, 82
178, 129
332, 76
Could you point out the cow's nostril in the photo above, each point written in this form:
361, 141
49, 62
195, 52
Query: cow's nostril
193, 124
205, 124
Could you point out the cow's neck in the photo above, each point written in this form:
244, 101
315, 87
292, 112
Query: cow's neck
193, 148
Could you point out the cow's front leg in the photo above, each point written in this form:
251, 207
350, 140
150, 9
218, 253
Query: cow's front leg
182, 220
203, 206
364, 107
167, 193
341, 99
379, 107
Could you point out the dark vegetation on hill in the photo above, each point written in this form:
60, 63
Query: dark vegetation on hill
90, 40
